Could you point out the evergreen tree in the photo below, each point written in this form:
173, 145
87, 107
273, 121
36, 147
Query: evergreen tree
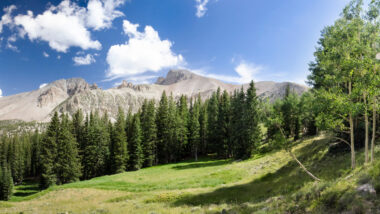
212, 129
251, 122
149, 132
68, 167
194, 128
48, 157
173, 144
119, 145
238, 124
223, 126
6, 182
163, 132
136, 159
203, 127
183, 121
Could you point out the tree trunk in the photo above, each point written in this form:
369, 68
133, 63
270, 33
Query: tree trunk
373, 130
366, 127
351, 133
302, 166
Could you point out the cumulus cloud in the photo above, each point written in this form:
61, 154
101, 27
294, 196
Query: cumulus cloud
43, 85
201, 7
245, 73
11, 40
61, 26
101, 13
6, 19
144, 51
65, 25
84, 60
1, 93
45, 54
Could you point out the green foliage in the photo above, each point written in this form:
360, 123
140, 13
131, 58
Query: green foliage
136, 150
119, 152
6, 182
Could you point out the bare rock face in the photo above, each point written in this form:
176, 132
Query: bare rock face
175, 76
67, 96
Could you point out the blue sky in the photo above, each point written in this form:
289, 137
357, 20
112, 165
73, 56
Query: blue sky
106, 41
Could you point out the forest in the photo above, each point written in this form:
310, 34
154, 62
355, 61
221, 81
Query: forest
343, 101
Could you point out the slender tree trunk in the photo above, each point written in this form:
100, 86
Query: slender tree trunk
373, 130
302, 166
351, 121
366, 128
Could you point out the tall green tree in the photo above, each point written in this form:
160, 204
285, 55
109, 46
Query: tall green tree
194, 127
119, 152
149, 132
224, 127
163, 131
6, 182
136, 159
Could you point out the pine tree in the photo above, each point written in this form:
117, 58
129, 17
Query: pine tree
238, 125
136, 159
194, 128
119, 145
173, 144
224, 127
49, 153
203, 127
149, 132
212, 129
163, 134
251, 122
183, 132
68, 167
6, 182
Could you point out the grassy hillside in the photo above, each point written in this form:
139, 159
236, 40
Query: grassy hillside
273, 183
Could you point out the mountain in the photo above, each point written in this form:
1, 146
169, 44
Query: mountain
67, 96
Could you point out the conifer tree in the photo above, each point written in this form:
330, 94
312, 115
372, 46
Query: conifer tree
251, 122
48, 157
136, 159
183, 132
223, 126
149, 132
194, 128
119, 145
173, 144
238, 125
6, 182
163, 134
212, 129
68, 167
203, 127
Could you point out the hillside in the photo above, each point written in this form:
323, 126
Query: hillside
67, 96
270, 183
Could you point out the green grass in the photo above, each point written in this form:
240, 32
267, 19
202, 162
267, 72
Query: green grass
266, 183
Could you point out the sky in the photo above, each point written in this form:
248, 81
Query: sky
107, 41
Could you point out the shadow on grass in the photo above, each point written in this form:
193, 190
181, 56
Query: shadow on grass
284, 181
202, 164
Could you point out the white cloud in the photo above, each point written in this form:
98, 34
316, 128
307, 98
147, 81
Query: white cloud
144, 51
1, 93
59, 57
101, 13
67, 25
61, 26
6, 19
84, 60
45, 54
11, 40
245, 73
201, 7
43, 85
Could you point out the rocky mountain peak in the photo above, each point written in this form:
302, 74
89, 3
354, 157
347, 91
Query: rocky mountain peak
175, 76
125, 84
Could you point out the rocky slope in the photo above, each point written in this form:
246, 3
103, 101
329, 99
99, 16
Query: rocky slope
73, 94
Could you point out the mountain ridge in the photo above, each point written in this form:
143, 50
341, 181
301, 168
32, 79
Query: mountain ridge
69, 95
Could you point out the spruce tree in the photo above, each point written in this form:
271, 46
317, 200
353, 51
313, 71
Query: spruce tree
119, 145
149, 132
212, 129
238, 125
68, 167
224, 127
136, 159
163, 132
49, 153
194, 128
251, 122
203, 127
183, 132
6, 182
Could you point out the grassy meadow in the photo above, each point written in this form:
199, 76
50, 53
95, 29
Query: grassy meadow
264, 184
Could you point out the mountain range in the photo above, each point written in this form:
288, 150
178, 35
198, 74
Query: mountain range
67, 96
